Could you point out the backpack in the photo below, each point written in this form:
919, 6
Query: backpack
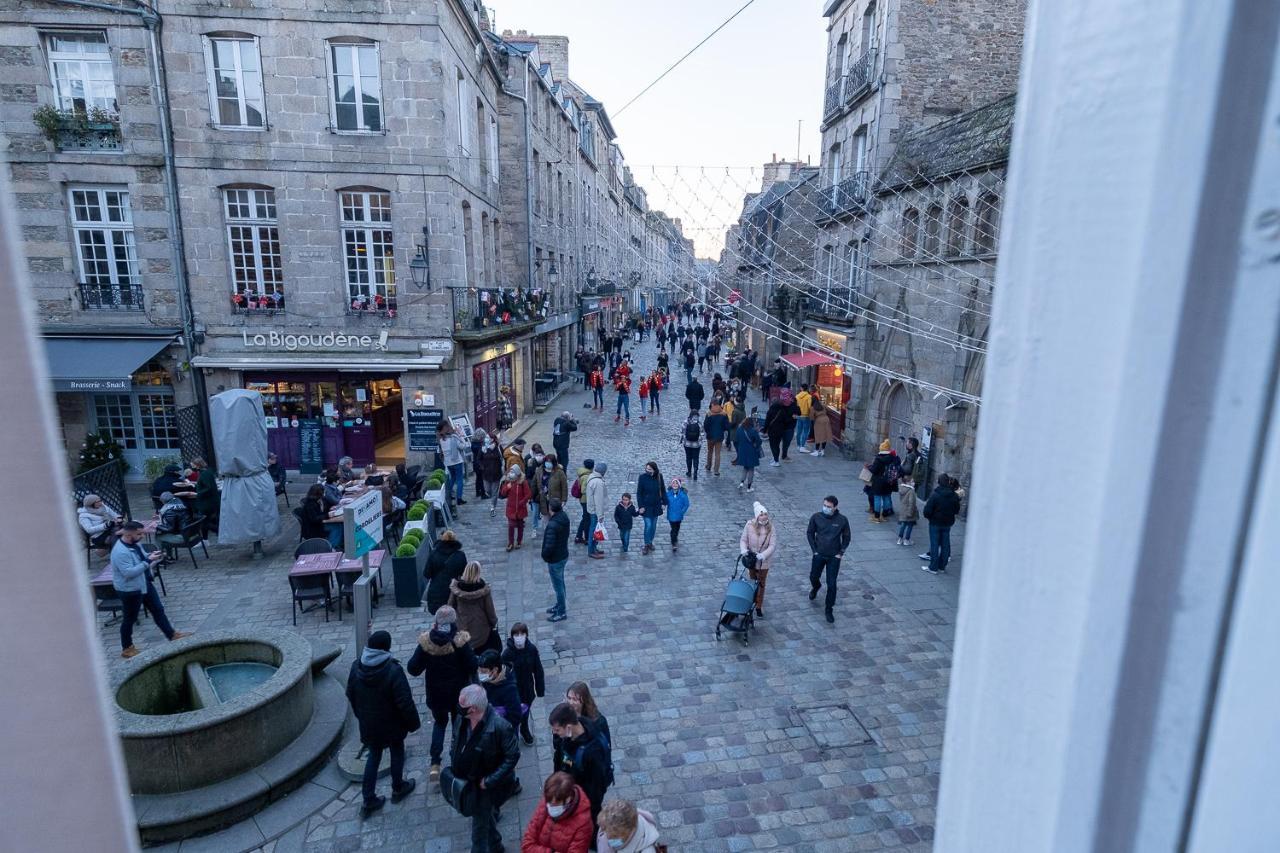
605, 747
691, 431
576, 491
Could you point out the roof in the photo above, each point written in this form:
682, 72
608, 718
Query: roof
780, 189
975, 139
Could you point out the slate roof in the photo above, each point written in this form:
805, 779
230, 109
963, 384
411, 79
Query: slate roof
781, 188
976, 139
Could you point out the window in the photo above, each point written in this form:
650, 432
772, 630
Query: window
159, 425
114, 415
851, 268
957, 225
537, 185
860, 150
986, 225
493, 149
80, 69
103, 226
235, 82
932, 230
368, 249
481, 147
253, 236
357, 87
910, 232
468, 246
464, 134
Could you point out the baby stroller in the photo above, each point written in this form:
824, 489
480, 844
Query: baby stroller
737, 614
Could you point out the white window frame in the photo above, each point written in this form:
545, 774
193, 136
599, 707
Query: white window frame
116, 238
464, 120
493, 149
242, 101
81, 64
368, 231
354, 45
258, 229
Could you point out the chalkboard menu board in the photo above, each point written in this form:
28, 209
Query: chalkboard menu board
422, 428
311, 450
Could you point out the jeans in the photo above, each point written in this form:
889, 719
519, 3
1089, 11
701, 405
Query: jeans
675, 533
369, 785
803, 426
775, 447
442, 721
650, 527
457, 479
535, 512
491, 491
597, 397
654, 404
624, 404
832, 565
786, 441
883, 503
132, 603
939, 547
485, 837
592, 521
713, 455
625, 537
691, 461
904, 530
688, 376
556, 571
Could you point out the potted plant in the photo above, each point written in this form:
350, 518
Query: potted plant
407, 564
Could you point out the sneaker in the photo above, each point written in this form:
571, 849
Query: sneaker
508, 548
899, 542
930, 569
557, 617
742, 485
803, 449
751, 488
759, 613
831, 617
813, 593
907, 544
372, 806
551, 610
598, 555
405, 790
132, 651
527, 738
775, 464
435, 772
628, 422
924, 556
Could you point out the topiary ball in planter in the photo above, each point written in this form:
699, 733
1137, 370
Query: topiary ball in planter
416, 513
414, 534
407, 549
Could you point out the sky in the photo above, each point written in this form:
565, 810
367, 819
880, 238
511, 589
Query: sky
734, 103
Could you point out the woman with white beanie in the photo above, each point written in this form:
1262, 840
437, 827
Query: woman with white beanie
760, 539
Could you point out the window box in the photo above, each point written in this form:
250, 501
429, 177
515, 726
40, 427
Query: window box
71, 130
254, 303
378, 305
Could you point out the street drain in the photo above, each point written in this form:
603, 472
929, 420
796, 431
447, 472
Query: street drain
834, 726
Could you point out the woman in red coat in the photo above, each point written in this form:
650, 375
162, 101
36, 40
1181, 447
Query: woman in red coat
562, 822
518, 494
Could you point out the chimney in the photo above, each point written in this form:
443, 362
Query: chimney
774, 172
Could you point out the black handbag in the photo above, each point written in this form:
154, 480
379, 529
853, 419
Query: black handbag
749, 561
458, 793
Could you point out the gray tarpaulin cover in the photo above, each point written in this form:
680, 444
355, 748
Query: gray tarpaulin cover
249, 509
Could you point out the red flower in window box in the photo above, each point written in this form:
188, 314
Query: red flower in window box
391, 312
378, 300
238, 299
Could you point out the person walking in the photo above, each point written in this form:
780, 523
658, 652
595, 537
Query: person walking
627, 829
884, 478
651, 497
525, 661
532, 474
622, 384
548, 482
579, 491
448, 663
736, 412
485, 753
597, 492
642, 390
702, 356
490, 468
688, 362
748, 444
517, 493
450, 443
787, 398
759, 540
677, 509
383, 706
445, 564
777, 420
804, 423
941, 510
828, 537
583, 753
561, 429
555, 553
655, 392
624, 516
472, 598
477, 445
499, 683
131, 578
821, 426
562, 821
596, 383
691, 441
694, 393
716, 427
910, 511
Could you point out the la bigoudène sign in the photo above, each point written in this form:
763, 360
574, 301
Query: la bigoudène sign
293, 342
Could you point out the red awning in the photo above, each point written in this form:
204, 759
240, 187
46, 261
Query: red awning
807, 359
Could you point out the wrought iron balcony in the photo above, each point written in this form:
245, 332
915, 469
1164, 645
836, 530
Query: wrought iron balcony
496, 312
111, 297
835, 304
847, 197
850, 86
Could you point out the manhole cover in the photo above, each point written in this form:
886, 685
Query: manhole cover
834, 726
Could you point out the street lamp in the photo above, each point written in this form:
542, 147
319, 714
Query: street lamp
420, 266
553, 275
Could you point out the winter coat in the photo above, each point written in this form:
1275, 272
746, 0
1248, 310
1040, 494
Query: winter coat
597, 493
584, 474
910, 462
715, 424
587, 760
694, 394
476, 616
907, 507
444, 566
560, 431
677, 504
95, 524
828, 535
804, 402
942, 507
650, 496
557, 486
312, 515
569, 833
208, 499
526, 664
821, 424
747, 443
555, 538
490, 465
381, 699
644, 840
504, 696
488, 753
451, 449
625, 517
511, 457
883, 473
449, 664
761, 540
517, 493
778, 419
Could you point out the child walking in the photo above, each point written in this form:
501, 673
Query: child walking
677, 506
624, 515
522, 656
910, 513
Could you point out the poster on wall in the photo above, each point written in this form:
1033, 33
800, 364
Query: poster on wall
462, 423
421, 426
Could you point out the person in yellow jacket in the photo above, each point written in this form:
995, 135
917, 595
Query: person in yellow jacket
804, 423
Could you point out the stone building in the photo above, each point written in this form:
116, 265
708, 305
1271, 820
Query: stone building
82, 132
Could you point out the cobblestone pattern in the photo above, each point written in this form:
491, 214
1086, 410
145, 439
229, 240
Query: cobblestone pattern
722, 741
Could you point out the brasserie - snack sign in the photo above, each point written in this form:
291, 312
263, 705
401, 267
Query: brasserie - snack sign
319, 340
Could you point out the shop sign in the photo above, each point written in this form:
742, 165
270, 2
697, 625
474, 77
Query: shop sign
311, 446
316, 340
421, 426
362, 524
121, 384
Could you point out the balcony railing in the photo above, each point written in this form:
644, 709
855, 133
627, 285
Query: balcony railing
834, 303
497, 312
850, 86
111, 297
847, 197
365, 305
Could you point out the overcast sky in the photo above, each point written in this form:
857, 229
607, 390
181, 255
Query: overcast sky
736, 102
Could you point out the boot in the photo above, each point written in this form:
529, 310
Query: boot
132, 651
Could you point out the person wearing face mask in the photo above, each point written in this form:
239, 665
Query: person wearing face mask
549, 481
759, 538
485, 753
828, 536
555, 553
532, 469
500, 686
383, 706
650, 499
677, 507
490, 468
562, 821
627, 829
445, 658
583, 753
522, 656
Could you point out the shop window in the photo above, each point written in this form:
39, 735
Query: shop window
158, 422
369, 250
253, 238
113, 414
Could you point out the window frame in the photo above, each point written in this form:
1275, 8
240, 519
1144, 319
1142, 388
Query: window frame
957, 226
986, 224
367, 229
909, 246
932, 245
256, 226
215, 111
464, 119
123, 229
354, 43
54, 58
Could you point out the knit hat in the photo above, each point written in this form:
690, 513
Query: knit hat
884, 446
89, 501
380, 640
677, 483
602, 467
166, 496
758, 509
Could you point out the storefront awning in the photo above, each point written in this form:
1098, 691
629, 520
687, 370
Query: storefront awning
807, 359
342, 364
98, 364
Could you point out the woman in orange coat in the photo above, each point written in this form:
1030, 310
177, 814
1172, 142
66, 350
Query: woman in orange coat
562, 821
518, 494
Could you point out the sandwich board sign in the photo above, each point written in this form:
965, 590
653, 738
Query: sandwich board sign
362, 525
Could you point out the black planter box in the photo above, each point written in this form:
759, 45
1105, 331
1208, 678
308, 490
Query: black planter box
407, 575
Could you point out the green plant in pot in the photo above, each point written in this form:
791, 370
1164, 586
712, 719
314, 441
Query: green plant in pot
407, 549
416, 513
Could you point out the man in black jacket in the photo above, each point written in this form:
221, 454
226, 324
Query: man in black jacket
581, 752
485, 753
560, 430
555, 553
445, 657
941, 509
383, 704
828, 536
694, 394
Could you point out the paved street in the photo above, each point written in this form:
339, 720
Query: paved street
813, 738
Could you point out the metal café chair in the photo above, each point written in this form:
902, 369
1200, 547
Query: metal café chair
189, 537
315, 588
314, 545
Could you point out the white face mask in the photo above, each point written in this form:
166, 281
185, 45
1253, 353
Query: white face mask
484, 676
616, 843
520, 640
556, 811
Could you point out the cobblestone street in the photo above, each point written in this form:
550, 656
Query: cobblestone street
814, 737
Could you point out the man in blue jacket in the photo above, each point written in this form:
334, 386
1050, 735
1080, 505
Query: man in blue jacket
131, 576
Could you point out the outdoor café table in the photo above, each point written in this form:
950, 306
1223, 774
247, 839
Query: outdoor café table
375, 568
316, 564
